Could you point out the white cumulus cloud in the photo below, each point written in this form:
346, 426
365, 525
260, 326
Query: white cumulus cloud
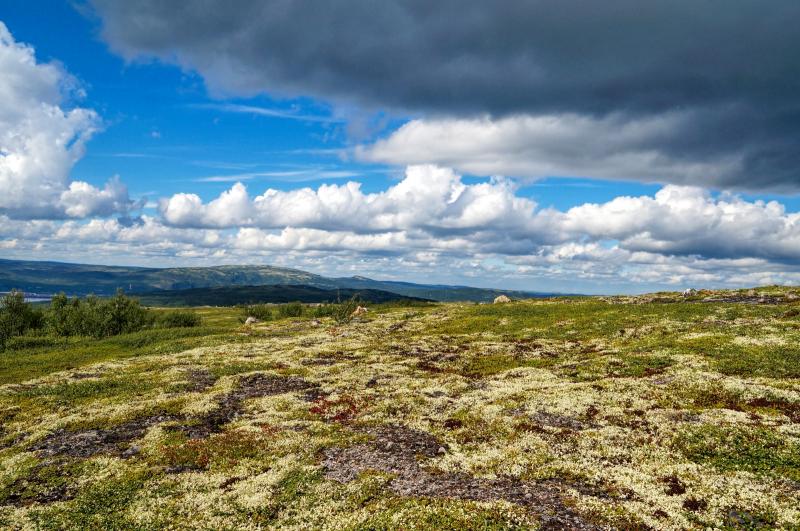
41, 139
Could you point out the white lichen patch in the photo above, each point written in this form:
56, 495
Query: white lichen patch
673, 416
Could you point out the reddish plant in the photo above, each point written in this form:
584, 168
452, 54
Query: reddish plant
342, 409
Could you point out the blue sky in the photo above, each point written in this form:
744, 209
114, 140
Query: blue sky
168, 124
163, 134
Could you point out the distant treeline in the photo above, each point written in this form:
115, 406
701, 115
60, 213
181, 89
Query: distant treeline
340, 312
87, 317
277, 294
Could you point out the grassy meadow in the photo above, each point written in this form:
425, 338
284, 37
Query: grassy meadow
648, 412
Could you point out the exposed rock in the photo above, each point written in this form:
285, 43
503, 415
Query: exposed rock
251, 320
501, 299
359, 311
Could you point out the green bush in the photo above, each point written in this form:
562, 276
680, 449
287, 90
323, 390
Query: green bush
122, 315
17, 317
262, 312
97, 317
343, 312
291, 309
323, 310
179, 319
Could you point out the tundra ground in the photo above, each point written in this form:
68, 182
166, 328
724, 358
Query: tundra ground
662, 412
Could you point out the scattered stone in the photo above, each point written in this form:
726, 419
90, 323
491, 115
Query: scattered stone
751, 297
251, 320
132, 451
690, 292
360, 310
501, 299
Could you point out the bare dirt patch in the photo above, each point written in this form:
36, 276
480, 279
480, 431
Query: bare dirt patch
85, 375
553, 420
45, 483
116, 440
231, 405
318, 361
110, 441
200, 380
402, 452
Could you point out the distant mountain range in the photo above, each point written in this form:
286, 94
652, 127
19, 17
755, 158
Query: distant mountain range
83, 279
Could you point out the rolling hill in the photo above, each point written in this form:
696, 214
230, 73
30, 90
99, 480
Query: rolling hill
82, 279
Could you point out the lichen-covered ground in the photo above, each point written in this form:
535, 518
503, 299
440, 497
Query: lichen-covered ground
657, 412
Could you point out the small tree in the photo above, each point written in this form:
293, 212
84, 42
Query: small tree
17, 311
59, 316
291, 309
124, 314
17, 317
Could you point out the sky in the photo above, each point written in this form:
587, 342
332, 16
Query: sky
543, 145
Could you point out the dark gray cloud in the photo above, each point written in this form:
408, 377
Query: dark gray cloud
734, 63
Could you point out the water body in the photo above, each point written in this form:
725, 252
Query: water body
32, 297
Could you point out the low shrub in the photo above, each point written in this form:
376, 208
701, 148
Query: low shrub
323, 310
88, 317
179, 319
291, 309
17, 317
759, 450
343, 312
96, 317
262, 312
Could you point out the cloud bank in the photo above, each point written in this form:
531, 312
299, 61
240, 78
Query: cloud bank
713, 84
433, 208
433, 223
